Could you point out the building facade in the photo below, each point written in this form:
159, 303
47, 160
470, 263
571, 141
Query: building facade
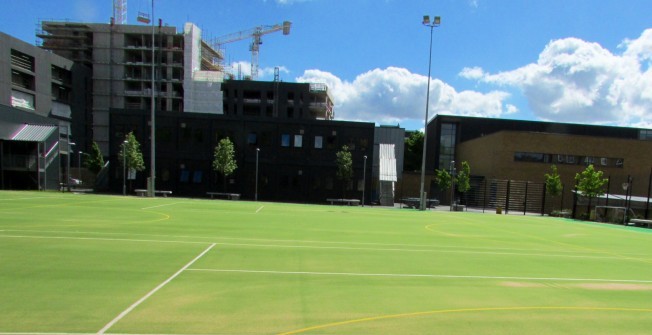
295, 158
498, 149
41, 93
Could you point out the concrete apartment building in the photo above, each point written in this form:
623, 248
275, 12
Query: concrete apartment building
182, 73
40, 93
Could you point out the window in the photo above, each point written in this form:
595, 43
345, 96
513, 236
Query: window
252, 139
319, 142
298, 141
23, 100
196, 177
185, 176
645, 134
447, 144
285, 140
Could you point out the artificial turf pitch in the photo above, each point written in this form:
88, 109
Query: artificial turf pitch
89, 264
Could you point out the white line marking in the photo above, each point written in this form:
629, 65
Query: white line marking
31, 199
259, 209
408, 275
101, 239
150, 293
174, 203
320, 247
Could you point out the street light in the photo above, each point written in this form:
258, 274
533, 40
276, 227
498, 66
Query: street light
426, 22
79, 164
452, 183
256, 193
124, 168
364, 177
70, 144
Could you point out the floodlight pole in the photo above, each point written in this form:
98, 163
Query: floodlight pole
364, 177
422, 196
152, 176
256, 193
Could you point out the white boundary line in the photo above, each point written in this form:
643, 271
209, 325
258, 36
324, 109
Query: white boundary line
150, 293
99, 239
174, 203
408, 275
259, 209
324, 247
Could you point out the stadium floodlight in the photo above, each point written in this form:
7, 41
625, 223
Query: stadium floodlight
422, 195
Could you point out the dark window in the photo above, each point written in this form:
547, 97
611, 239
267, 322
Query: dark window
185, 175
252, 139
196, 177
285, 140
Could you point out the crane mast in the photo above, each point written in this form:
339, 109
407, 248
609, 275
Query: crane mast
256, 35
120, 11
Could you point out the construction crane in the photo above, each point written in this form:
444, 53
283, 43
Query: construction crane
256, 35
120, 11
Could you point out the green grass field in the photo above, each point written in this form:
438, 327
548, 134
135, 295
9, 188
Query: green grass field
88, 264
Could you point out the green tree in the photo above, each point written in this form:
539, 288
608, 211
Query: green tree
413, 152
94, 161
443, 180
590, 183
463, 179
224, 159
553, 182
344, 163
130, 149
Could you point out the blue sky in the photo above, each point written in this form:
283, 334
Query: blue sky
579, 61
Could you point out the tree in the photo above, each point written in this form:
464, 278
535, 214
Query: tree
463, 179
413, 152
94, 161
224, 159
553, 182
590, 183
131, 150
443, 179
344, 167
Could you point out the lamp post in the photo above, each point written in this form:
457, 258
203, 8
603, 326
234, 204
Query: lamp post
79, 164
364, 177
70, 144
256, 193
452, 167
124, 167
426, 22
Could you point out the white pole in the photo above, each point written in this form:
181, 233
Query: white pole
364, 177
256, 193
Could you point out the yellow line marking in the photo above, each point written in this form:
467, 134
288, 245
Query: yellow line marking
463, 310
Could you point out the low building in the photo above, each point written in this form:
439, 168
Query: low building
512, 150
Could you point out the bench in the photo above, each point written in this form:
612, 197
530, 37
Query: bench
416, 202
641, 222
142, 192
350, 202
230, 196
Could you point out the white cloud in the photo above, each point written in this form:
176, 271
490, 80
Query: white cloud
578, 81
393, 95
